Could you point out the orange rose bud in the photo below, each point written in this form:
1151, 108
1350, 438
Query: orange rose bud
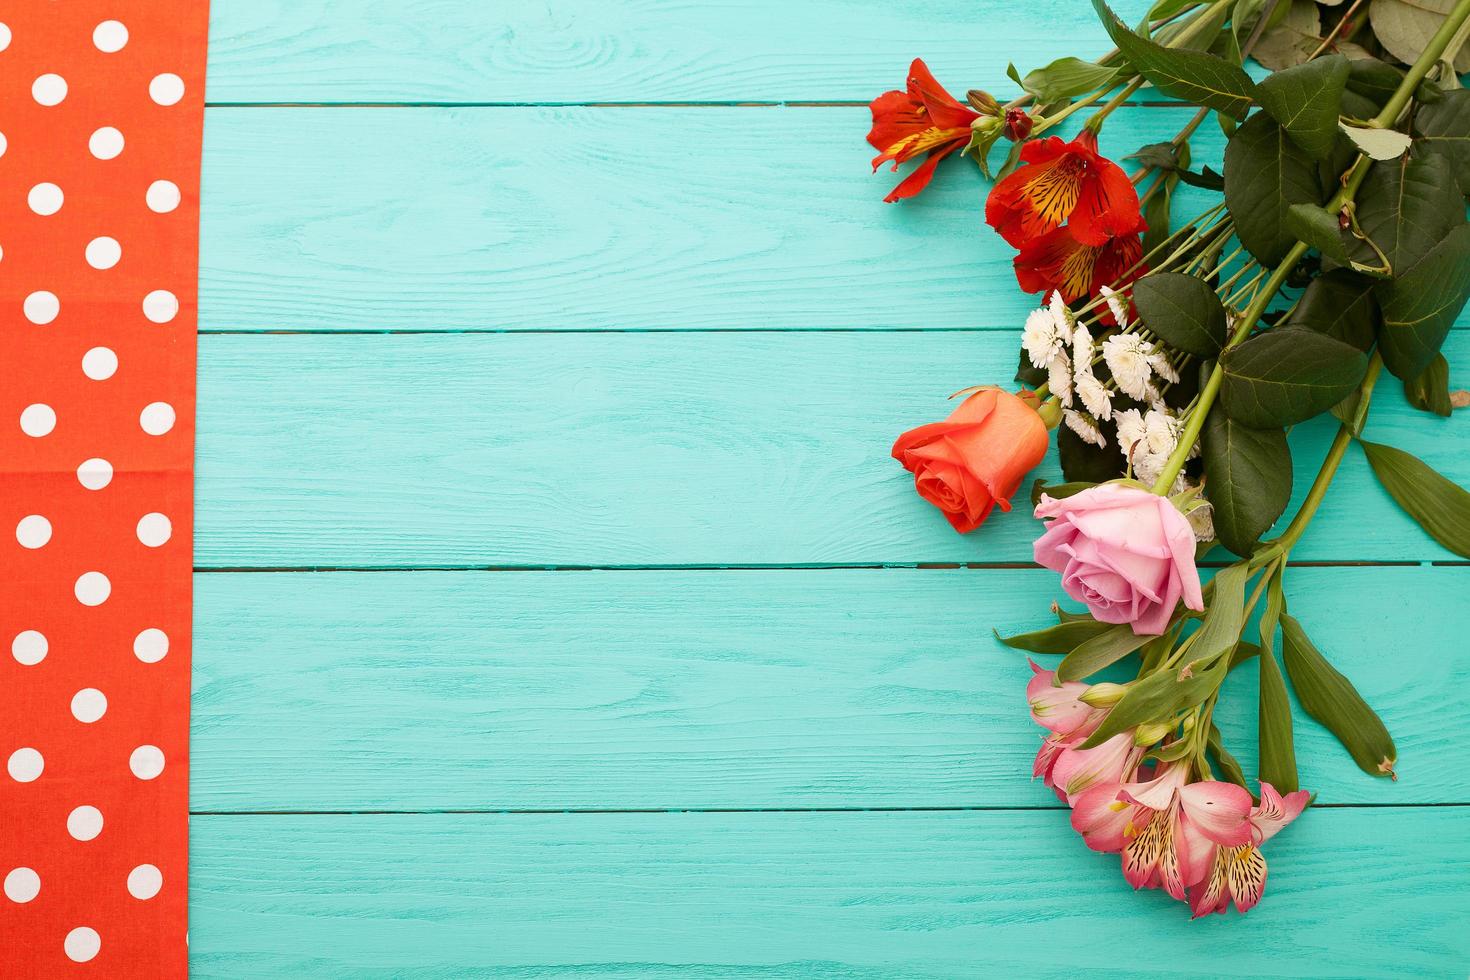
976, 458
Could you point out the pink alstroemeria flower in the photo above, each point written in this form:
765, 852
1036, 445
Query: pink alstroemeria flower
1239, 873
1167, 827
1062, 766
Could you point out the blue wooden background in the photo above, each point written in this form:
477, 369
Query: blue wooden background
559, 611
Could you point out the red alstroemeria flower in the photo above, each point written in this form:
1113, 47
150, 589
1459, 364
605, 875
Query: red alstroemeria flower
924, 118
1064, 183
1058, 261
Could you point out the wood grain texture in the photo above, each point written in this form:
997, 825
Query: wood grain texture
598, 219
750, 689
1352, 893
627, 50
639, 449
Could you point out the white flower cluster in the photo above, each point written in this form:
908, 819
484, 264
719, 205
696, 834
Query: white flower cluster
1056, 343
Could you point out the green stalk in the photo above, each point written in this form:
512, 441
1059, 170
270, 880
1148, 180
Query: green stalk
1351, 182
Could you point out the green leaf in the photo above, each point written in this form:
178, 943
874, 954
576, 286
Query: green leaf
1161, 156
1421, 304
1185, 74
1056, 639
1293, 41
1266, 173
1206, 178
1404, 27
1229, 767
1306, 100
1330, 698
1220, 629
1278, 753
1318, 228
1439, 505
1057, 491
1287, 375
1380, 144
1430, 392
1341, 304
1182, 311
1156, 214
1102, 650
1247, 479
1065, 78
1168, 8
1407, 206
1374, 80
1443, 128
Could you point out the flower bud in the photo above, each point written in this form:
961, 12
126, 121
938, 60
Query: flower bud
1152, 732
1018, 125
983, 102
1103, 695
985, 125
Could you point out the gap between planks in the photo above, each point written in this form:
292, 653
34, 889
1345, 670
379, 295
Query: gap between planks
611, 811
747, 567
708, 104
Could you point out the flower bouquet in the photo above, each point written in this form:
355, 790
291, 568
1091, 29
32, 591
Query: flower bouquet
1171, 359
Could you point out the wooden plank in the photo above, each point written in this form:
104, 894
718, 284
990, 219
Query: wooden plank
596, 219
599, 219
751, 689
1353, 893
627, 50
645, 449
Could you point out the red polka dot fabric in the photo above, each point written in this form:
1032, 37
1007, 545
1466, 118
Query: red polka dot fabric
101, 115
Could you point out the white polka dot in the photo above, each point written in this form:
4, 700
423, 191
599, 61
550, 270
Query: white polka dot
99, 363
110, 36
29, 648
146, 761
84, 823
151, 646
22, 885
166, 89
49, 89
94, 474
106, 143
33, 531
163, 196
3, 144
25, 765
88, 705
82, 944
38, 420
157, 418
41, 307
154, 529
45, 198
4, 37
160, 306
103, 252
93, 588
144, 882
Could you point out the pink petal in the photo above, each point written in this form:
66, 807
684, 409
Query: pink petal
1219, 810
1101, 818
1275, 812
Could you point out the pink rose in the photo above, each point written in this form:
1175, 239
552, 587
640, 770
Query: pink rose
1125, 552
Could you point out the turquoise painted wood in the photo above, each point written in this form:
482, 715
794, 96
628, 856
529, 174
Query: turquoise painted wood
646, 449
684, 335
726, 51
798, 895
727, 690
